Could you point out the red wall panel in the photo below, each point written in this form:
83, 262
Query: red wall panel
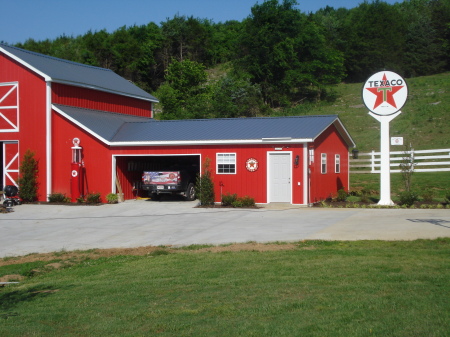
326, 185
32, 112
99, 100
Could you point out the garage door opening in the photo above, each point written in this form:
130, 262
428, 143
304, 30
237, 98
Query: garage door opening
130, 170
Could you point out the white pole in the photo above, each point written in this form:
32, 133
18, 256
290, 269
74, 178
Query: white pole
385, 174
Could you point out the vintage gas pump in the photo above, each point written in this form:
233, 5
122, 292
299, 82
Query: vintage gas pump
76, 185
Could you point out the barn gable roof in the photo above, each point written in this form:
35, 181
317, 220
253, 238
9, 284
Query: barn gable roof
117, 129
77, 74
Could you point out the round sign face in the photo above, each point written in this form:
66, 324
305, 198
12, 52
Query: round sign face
385, 93
251, 164
74, 173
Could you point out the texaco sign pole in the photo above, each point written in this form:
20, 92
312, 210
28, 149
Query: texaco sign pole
384, 94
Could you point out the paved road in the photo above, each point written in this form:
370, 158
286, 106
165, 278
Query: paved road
48, 228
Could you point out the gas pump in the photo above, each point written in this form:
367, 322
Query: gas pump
76, 183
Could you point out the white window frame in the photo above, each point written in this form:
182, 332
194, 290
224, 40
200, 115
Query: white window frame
231, 159
323, 163
337, 163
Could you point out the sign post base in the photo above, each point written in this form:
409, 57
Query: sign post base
385, 165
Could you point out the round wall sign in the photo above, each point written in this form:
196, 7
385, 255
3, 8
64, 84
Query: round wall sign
385, 93
251, 164
74, 173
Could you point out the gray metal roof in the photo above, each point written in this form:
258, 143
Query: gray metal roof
62, 71
118, 129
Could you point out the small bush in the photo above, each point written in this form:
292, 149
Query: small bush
204, 187
112, 198
447, 196
247, 201
428, 195
237, 204
58, 197
353, 198
408, 198
28, 184
228, 199
93, 198
342, 195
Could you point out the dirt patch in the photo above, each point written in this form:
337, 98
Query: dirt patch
72, 257
11, 278
253, 246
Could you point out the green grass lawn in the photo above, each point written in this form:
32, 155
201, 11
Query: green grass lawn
437, 182
363, 288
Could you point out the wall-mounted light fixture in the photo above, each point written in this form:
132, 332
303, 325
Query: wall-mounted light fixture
355, 153
297, 160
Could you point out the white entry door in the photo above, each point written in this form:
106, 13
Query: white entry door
279, 177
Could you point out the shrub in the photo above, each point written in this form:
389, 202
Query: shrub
58, 197
247, 201
428, 195
228, 199
28, 185
204, 187
93, 198
447, 196
342, 195
408, 198
112, 198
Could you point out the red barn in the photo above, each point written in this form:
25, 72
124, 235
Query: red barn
57, 108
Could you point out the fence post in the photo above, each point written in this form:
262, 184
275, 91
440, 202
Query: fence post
373, 161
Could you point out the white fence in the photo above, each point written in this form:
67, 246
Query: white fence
419, 161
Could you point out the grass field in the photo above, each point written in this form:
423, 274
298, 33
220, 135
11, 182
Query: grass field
424, 122
437, 182
315, 288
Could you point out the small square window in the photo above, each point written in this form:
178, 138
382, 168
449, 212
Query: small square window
226, 163
324, 163
337, 163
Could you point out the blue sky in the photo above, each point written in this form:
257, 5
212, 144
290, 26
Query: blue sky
48, 19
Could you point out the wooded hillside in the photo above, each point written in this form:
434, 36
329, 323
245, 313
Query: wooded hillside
277, 58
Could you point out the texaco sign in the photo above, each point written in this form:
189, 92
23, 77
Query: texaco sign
385, 93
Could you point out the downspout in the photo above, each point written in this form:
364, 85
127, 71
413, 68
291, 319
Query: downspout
305, 175
48, 140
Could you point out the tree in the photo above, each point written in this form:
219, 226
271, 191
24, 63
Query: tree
28, 185
236, 97
204, 187
286, 53
184, 88
374, 34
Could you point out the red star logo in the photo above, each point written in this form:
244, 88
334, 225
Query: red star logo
385, 93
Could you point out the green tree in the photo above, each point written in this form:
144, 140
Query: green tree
374, 34
236, 97
286, 53
184, 91
204, 187
28, 184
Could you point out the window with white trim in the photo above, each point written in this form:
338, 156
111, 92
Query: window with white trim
323, 163
226, 163
337, 163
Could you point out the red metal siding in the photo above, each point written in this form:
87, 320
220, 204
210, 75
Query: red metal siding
96, 156
326, 185
32, 108
99, 100
244, 182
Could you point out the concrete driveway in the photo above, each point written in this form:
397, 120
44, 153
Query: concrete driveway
49, 228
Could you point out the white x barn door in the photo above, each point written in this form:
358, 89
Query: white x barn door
11, 163
9, 107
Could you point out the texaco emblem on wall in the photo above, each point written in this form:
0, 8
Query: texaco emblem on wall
251, 164
385, 93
